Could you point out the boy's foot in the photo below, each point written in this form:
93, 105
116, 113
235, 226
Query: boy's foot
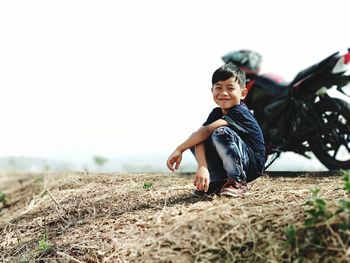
214, 188
234, 189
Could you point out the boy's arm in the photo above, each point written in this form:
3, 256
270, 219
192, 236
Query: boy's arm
196, 138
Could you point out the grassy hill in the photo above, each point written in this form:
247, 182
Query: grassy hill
81, 217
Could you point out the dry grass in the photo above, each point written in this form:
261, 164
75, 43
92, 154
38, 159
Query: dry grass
112, 218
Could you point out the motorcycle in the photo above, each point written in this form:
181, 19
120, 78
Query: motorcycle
309, 114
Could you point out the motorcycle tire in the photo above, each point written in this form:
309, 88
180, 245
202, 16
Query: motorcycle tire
333, 134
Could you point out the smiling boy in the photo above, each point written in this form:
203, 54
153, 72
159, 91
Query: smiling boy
229, 147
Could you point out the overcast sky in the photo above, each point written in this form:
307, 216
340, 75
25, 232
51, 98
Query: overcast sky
114, 78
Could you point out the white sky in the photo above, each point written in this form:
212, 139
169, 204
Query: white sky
114, 78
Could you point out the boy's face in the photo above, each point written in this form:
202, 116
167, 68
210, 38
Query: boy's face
228, 93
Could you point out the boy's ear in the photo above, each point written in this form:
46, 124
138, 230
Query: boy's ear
244, 93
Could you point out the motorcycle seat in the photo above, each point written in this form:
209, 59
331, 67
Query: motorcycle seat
277, 90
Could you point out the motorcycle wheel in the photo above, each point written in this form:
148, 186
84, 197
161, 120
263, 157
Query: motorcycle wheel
331, 145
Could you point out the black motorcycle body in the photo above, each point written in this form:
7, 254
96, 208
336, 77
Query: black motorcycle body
311, 113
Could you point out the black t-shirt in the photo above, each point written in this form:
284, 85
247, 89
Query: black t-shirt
242, 121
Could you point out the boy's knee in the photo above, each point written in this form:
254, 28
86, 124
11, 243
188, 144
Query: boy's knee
224, 135
220, 135
223, 130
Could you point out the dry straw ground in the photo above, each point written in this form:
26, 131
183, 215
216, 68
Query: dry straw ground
112, 218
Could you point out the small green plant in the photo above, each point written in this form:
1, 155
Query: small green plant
2, 197
346, 179
2, 200
323, 227
316, 208
344, 205
44, 245
291, 235
147, 185
99, 160
38, 183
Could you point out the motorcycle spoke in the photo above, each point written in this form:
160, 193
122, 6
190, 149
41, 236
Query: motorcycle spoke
347, 146
336, 151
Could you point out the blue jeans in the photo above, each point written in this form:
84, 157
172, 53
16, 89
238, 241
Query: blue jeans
226, 155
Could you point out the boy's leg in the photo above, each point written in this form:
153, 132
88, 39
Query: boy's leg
233, 153
215, 167
214, 162
217, 173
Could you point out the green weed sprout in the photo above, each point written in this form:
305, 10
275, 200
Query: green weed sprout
99, 160
346, 179
2, 197
44, 245
38, 183
316, 209
147, 185
290, 234
321, 224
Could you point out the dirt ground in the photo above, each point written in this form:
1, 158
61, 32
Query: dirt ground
83, 217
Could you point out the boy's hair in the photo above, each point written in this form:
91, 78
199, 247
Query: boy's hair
227, 71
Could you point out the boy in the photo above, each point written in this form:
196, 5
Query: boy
229, 147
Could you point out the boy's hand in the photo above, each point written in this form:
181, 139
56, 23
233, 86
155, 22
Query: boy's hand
202, 179
174, 159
